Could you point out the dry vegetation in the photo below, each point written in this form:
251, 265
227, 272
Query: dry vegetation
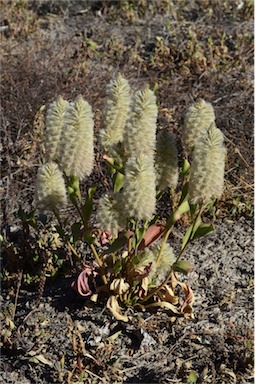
184, 49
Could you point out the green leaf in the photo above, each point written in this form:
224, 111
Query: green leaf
88, 238
193, 208
21, 214
184, 207
140, 233
118, 267
43, 218
176, 215
203, 230
71, 194
185, 168
76, 231
118, 181
27, 217
116, 245
196, 225
192, 377
60, 231
187, 236
185, 190
88, 206
182, 266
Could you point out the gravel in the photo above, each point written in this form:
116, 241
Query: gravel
68, 340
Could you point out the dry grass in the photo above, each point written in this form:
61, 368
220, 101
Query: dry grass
185, 49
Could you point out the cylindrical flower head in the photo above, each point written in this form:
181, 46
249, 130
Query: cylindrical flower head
77, 142
54, 124
50, 187
141, 128
207, 167
110, 214
116, 113
166, 161
197, 120
165, 262
139, 189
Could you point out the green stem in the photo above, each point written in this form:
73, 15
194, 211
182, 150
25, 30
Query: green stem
95, 254
99, 262
176, 215
164, 240
56, 213
154, 291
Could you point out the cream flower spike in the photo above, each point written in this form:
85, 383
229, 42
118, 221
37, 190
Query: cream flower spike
207, 167
139, 189
50, 187
110, 214
116, 113
197, 120
77, 142
54, 125
166, 160
141, 127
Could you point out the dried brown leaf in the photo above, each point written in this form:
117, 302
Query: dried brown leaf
113, 306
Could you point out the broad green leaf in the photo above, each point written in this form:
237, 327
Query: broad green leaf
60, 231
116, 245
76, 231
71, 194
196, 225
43, 218
88, 238
203, 230
118, 267
88, 206
182, 266
185, 190
139, 234
27, 217
193, 208
185, 168
21, 214
184, 207
176, 215
74, 188
118, 181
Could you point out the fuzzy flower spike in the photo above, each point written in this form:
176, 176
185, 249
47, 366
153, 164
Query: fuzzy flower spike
197, 120
139, 189
141, 127
116, 113
77, 142
166, 160
54, 125
207, 167
110, 214
50, 187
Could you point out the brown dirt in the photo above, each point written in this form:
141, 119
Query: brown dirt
185, 50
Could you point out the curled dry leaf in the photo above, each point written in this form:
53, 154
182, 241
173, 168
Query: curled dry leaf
164, 304
143, 271
84, 283
113, 306
119, 286
167, 294
142, 293
186, 306
167, 299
